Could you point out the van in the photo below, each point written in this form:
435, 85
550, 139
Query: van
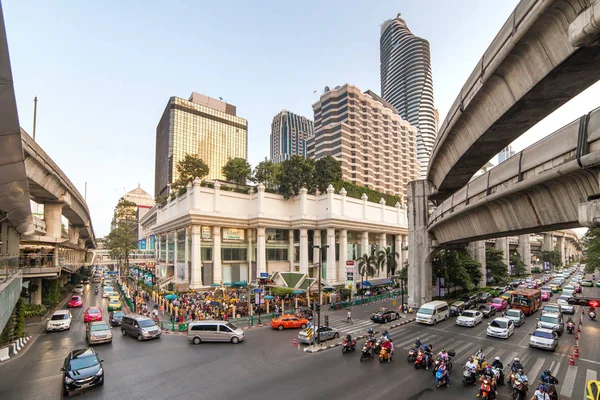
140, 327
433, 312
214, 331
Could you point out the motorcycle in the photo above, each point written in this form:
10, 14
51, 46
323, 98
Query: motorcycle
438, 361
412, 355
499, 376
367, 352
592, 315
96, 291
420, 360
348, 346
441, 378
512, 377
469, 377
384, 355
570, 327
551, 390
519, 390
486, 387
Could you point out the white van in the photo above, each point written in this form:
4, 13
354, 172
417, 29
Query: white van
433, 312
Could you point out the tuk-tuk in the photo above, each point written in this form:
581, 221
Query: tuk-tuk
304, 312
457, 308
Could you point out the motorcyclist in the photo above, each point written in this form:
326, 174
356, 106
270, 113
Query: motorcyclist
498, 365
522, 377
541, 394
489, 373
516, 365
547, 378
387, 345
443, 355
428, 352
418, 343
480, 356
444, 372
384, 335
370, 335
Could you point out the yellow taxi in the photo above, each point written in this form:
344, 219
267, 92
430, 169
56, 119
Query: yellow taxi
113, 296
507, 295
114, 304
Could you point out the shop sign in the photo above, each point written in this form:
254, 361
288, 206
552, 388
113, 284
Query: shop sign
206, 233
233, 234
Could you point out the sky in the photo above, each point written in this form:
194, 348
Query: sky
104, 71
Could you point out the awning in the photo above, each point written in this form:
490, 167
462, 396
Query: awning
375, 282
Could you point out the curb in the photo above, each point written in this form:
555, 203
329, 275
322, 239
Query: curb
13, 348
331, 346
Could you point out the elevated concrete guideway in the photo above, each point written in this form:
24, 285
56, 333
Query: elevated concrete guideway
544, 55
538, 189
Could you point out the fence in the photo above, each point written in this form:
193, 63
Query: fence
364, 300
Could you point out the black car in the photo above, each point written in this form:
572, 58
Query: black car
384, 316
86, 281
115, 318
82, 369
487, 310
484, 297
470, 301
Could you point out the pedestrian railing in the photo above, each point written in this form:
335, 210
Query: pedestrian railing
364, 300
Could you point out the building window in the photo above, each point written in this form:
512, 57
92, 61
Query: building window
277, 235
277, 254
234, 254
206, 253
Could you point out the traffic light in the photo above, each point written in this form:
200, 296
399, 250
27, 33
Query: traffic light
584, 301
262, 281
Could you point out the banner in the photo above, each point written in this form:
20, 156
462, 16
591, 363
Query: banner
233, 234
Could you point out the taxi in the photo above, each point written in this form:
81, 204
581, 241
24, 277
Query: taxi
288, 321
114, 304
506, 295
113, 296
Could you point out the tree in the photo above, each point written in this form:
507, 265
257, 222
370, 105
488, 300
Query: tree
122, 239
495, 264
367, 266
161, 199
518, 269
387, 259
267, 173
296, 173
188, 169
472, 267
328, 171
590, 244
551, 256
237, 170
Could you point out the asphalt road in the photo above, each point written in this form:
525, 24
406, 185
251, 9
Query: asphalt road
267, 366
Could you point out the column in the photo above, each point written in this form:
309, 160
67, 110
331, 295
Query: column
217, 272
404, 249
477, 250
291, 249
250, 251
524, 250
167, 248
561, 249
261, 251
74, 234
52, 217
343, 255
186, 277
399, 259
364, 244
196, 279
502, 244
175, 265
331, 266
316, 242
382, 245
547, 245
36, 297
304, 251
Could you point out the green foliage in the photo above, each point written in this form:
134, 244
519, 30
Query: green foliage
161, 199
367, 266
50, 292
267, 173
458, 269
296, 173
495, 264
519, 269
34, 310
590, 244
19, 318
552, 256
237, 170
122, 239
356, 192
188, 169
328, 170
281, 292
386, 259
473, 268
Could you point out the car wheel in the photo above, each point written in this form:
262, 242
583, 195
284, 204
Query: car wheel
336, 335
303, 326
435, 321
139, 337
65, 392
280, 327
196, 340
123, 332
235, 340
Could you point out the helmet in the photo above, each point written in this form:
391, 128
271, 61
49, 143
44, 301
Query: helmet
547, 372
424, 347
443, 350
516, 359
370, 330
542, 387
497, 358
418, 340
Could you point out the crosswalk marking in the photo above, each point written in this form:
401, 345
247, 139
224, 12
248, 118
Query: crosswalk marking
463, 348
590, 375
569, 381
410, 342
556, 369
509, 360
535, 370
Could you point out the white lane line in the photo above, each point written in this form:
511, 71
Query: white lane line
412, 341
509, 359
556, 369
552, 367
590, 375
535, 370
569, 381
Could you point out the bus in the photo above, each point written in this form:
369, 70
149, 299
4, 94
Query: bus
528, 300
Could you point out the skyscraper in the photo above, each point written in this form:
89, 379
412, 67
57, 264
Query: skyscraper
375, 146
201, 126
505, 154
289, 133
407, 84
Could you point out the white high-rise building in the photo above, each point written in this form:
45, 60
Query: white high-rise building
505, 154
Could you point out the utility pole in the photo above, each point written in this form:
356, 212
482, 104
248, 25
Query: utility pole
321, 248
34, 116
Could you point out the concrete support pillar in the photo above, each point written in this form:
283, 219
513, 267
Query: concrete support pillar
343, 255
331, 267
74, 234
404, 249
186, 257
547, 245
261, 251
196, 279
175, 264
419, 241
477, 251
561, 249
502, 245
52, 217
304, 251
316, 242
291, 250
382, 246
398, 248
217, 269
364, 244
167, 249
524, 250
36, 297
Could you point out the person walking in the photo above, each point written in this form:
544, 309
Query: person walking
349, 317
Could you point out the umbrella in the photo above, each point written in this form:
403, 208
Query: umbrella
216, 284
171, 296
298, 292
366, 283
269, 297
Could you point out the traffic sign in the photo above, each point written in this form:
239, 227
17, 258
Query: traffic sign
394, 302
395, 298
264, 274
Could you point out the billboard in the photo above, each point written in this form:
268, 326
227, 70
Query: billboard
142, 244
152, 242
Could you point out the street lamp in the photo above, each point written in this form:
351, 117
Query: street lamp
321, 248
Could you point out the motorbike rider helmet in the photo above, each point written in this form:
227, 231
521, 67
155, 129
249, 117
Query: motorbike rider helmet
497, 358
425, 347
547, 372
443, 350
370, 331
516, 359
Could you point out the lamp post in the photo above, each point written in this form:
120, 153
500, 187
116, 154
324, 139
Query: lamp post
321, 248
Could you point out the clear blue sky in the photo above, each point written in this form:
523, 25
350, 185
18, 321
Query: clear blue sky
103, 71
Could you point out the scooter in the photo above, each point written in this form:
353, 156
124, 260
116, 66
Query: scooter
519, 390
592, 315
384, 355
441, 378
499, 376
367, 352
438, 361
570, 327
412, 355
486, 387
469, 377
348, 346
420, 361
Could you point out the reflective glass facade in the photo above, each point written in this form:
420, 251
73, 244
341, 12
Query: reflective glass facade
289, 135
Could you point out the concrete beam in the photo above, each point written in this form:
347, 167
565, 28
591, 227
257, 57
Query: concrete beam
53, 218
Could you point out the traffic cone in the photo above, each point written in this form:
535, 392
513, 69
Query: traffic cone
294, 343
579, 328
576, 352
576, 336
571, 360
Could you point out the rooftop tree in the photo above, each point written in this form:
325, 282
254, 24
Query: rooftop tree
237, 170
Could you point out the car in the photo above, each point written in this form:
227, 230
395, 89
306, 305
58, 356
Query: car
565, 306
567, 293
487, 310
86, 281
516, 316
113, 296
483, 297
546, 295
115, 318
587, 283
288, 321
457, 308
507, 295
501, 328
325, 333
59, 321
144, 328
543, 339
555, 287
499, 303
78, 288
106, 291
469, 318
75, 302
98, 332
469, 300
96, 279
569, 288
552, 321
114, 304
82, 369
93, 313
546, 288
552, 308
384, 316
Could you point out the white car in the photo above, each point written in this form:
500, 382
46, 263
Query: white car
565, 306
544, 339
78, 289
469, 318
59, 321
501, 328
107, 290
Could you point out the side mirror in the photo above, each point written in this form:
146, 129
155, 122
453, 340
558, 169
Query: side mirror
63, 369
538, 319
101, 361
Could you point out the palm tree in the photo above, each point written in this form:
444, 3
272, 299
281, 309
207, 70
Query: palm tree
387, 258
367, 266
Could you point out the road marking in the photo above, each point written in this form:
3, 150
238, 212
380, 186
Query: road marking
535, 370
556, 369
510, 358
412, 341
498, 354
463, 348
569, 381
590, 375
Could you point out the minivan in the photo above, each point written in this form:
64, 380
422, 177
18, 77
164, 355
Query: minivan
140, 327
214, 331
433, 312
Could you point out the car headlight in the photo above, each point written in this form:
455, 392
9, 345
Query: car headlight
100, 372
68, 380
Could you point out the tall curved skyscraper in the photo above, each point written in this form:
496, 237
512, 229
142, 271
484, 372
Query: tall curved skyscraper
407, 84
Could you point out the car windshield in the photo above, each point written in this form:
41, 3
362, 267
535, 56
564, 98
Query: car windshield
58, 317
118, 314
497, 301
93, 311
231, 326
513, 313
85, 362
563, 298
468, 314
146, 323
75, 298
99, 327
521, 300
426, 311
108, 288
549, 319
114, 301
498, 324
543, 335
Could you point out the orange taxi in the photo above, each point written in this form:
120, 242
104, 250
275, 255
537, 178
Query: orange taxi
287, 321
